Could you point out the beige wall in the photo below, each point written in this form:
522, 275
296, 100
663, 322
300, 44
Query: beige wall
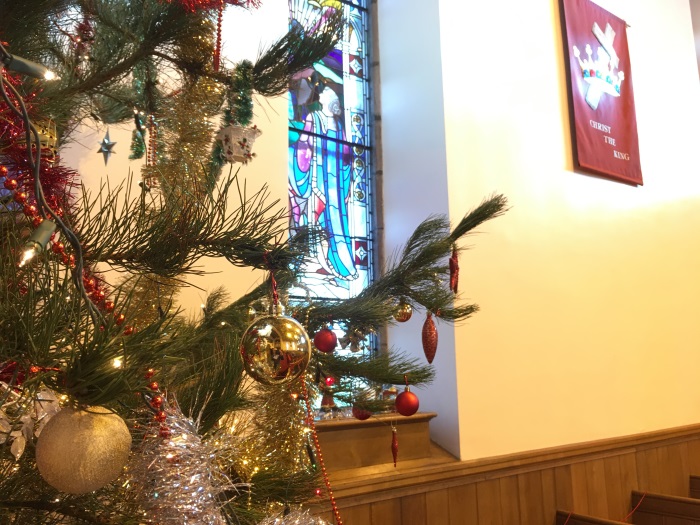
589, 288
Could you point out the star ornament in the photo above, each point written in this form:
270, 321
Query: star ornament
106, 146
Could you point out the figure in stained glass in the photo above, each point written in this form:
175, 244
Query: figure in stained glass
321, 181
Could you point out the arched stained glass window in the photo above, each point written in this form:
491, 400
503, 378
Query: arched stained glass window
329, 157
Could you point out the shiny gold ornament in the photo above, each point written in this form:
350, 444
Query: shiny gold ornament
276, 349
79, 451
403, 312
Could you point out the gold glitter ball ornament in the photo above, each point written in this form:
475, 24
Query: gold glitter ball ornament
276, 349
79, 451
403, 312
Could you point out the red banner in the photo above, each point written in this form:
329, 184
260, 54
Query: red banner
601, 93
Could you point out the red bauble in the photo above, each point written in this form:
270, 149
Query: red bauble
407, 403
430, 338
325, 340
361, 413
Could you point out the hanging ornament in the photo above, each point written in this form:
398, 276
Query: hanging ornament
237, 142
325, 340
275, 349
394, 444
454, 269
430, 338
360, 413
403, 312
80, 451
406, 402
106, 147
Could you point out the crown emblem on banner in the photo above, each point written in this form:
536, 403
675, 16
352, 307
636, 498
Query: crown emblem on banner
600, 73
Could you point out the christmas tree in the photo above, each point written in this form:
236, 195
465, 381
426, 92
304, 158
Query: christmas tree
114, 408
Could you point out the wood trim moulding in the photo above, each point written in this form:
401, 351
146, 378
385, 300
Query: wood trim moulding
369, 484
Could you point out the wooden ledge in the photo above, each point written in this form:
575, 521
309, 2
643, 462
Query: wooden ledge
349, 443
439, 471
330, 425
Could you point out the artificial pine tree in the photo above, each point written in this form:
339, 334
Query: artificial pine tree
95, 374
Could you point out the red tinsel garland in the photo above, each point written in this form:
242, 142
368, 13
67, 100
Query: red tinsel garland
204, 5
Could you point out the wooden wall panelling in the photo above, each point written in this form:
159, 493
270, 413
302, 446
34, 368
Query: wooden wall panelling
387, 512
649, 471
413, 510
593, 480
563, 487
463, 505
618, 495
673, 463
510, 499
437, 507
358, 515
488, 502
531, 497
579, 488
596, 488
549, 495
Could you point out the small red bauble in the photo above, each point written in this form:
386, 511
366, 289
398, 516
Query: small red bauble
10, 184
154, 386
30, 210
157, 401
89, 283
119, 319
160, 416
407, 403
58, 247
164, 432
325, 340
36, 221
129, 330
20, 197
361, 413
109, 306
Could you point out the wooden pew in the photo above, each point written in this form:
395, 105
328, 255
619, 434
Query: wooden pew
660, 509
695, 486
579, 519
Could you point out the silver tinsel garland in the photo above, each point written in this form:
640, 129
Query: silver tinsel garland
175, 477
294, 518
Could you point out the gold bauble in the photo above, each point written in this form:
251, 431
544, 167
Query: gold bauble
403, 312
276, 349
79, 451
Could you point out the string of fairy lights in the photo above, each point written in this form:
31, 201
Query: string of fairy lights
51, 221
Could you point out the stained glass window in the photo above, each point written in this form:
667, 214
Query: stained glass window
329, 157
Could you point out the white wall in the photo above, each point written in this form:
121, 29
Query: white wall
588, 288
415, 175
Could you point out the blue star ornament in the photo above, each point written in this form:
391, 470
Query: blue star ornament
106, 147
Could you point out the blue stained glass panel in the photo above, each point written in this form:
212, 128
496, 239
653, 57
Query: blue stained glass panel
329, 158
